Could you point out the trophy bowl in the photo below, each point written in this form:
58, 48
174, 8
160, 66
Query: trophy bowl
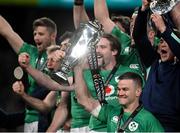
86, 35
162, 6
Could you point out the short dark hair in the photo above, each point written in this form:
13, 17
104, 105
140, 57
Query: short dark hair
134, 76
46, 22
124, 21
65, 36
114, 43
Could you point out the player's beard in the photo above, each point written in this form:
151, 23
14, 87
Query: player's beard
101, 62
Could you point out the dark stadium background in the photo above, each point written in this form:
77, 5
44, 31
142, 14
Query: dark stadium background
21, 16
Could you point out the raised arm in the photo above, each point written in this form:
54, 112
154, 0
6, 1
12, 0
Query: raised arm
44, 106
40, 77
82, 93
167, 34
46, 81
79, 13
10, 35
102, 15
146, 51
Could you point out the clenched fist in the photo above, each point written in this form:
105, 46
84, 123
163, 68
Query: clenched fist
18, 87
24, 59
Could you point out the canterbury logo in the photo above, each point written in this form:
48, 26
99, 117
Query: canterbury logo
134, 66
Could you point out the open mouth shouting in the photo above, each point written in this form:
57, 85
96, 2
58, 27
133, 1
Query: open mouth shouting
166, 54
39, 45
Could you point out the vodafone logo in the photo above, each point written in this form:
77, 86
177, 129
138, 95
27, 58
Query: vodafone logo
109, 90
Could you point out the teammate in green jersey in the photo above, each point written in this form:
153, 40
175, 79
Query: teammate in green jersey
44, 32
128, 55
119, 117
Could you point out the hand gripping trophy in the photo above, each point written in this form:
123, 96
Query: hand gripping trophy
86, 35
168, 9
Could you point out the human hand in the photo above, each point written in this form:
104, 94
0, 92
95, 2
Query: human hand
58, 55
64, 46
159, 22
145, 4
78, 2
23, 60
18, 87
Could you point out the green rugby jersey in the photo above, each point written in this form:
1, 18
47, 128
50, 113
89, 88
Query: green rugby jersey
144, 121
129, 57
111, 93
80, 117
32, 115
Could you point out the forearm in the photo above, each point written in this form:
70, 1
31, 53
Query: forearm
46, 81
80, 87
145, 49
4, 26
36, 103
140, 27
82, 93
58, 120
79, 15
12, 37
102, 15
100, 10
61, 114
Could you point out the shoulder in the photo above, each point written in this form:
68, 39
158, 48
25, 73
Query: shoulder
28, 48
117, 32
150, 121
147, 116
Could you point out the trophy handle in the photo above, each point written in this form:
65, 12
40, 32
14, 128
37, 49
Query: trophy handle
60, 77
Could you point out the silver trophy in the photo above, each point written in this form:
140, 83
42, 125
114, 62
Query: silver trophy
162, 6
86, 35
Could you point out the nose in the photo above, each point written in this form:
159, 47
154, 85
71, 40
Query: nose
97, 49
36, 37
49, 65
120, 92
162, 45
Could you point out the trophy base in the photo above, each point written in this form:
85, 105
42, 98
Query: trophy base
60, 78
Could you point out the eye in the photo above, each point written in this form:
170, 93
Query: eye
34, 33
161, 40
103, 47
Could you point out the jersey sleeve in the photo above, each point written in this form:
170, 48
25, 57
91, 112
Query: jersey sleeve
103, 114
28, 48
